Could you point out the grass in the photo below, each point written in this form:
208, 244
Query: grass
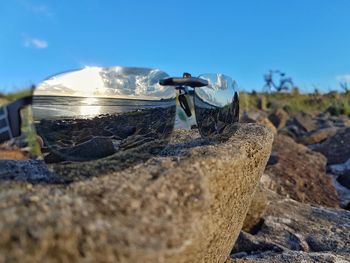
336, 103
27, 120
15, 95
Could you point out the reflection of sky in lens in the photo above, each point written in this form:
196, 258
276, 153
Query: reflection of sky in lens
115, 82
220, 90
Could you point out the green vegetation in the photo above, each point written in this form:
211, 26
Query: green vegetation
336, 103
4, 98
27, 120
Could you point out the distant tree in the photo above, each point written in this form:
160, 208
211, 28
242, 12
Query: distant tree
344, 86
285, 83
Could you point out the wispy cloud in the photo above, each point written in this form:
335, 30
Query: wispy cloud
30, 42
39, 9
345, 77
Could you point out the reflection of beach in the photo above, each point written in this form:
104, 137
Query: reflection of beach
212, 119
57, 107
81, 139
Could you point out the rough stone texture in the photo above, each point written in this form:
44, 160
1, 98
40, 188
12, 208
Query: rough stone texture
267, 123
304, 121
296, 232
318, 135
185, 205
253, 115
344, 180
300, 173
256, 210
279, 118
336, 148
259, 117
12, 155
339, 169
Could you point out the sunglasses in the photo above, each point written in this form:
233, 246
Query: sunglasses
95, 112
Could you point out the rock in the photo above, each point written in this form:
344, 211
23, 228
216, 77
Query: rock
185, 205
323, 120
344, 180
259, 117
27, 171
296, 232
267, 123
301, 173
333, 110
253, 116
318, 136
343, 192
336, 148
279, 118
339, 169
13, 155
305, 121
292, 131
96, 148
256, 211
124, 131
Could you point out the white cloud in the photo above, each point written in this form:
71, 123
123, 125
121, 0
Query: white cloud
37, 8
345, 77
30, 42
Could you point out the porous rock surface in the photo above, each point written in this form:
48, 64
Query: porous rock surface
336, 148
300, 173
296, 232
184, 205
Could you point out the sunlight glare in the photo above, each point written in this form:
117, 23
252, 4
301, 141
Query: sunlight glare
90, 101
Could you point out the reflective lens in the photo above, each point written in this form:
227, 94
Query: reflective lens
216, 105
95, 112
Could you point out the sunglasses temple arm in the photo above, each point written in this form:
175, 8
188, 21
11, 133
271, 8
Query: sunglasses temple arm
10, 118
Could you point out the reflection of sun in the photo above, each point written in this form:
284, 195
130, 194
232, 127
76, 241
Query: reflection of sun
90, 110
90, 101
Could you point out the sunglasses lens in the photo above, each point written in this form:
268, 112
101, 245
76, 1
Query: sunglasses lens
216, 105
96, 112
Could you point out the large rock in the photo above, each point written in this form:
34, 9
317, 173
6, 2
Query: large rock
300, 173
336, 148
318, 136
185, 205
260, 117
279, 118
344, 180
339, 169
305, 121
256, 210
296, 232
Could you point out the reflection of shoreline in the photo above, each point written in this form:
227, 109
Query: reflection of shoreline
53, 107
132, 98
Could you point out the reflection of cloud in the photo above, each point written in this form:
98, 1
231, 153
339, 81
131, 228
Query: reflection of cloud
219, 91
30, 42
345, 77
119, 82
47, 89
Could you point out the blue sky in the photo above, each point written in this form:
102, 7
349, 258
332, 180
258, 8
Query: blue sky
307, 39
